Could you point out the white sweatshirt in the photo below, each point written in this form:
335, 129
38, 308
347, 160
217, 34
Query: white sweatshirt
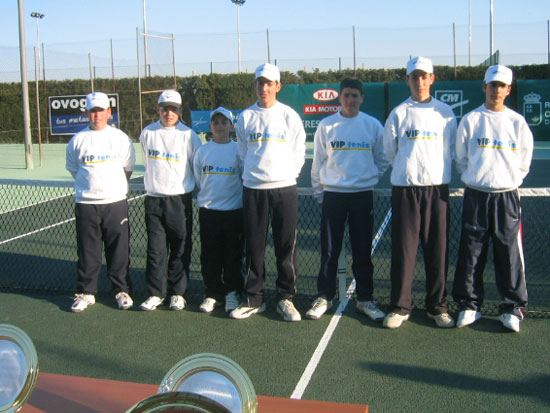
218, 171
348, 154
168, 159
419, 141
98, 160
271, 146
493, 149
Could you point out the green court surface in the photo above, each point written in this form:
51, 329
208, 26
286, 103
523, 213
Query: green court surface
482, 368
415, 368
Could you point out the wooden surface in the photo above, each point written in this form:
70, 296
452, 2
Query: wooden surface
58, 393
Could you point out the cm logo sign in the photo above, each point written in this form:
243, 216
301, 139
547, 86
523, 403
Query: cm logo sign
453, 98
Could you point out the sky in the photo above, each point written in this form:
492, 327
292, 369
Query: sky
302, 33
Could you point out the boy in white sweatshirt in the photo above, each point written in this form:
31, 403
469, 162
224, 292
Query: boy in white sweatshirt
218, 175
494, 147
101, 159
168, 147
419, 138
271, 141
348, 160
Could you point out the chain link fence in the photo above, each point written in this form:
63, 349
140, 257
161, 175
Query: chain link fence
312, 49
38, 246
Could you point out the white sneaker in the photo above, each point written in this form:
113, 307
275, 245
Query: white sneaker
231, 301
81, 302
319, 307
467, 317
510, 321
208, 304
124, 300
394, 320
371, 309
288, 311
177, 302
151, 303
443, 320
242, 311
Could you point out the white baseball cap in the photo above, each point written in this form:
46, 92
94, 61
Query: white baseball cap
169, 97
222, 111
269, 71
420, 63
498, 73
97, 100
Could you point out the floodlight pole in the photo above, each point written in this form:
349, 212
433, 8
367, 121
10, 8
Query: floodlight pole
470, 33
354, 54
239, 39
145, 54
238, 3
24, 88
491, 34
454, 49
38, 17
268, 52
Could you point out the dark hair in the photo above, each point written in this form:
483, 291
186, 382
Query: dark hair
352, 82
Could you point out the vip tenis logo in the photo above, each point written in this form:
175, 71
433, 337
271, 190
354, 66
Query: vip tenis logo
532, 109
453, 98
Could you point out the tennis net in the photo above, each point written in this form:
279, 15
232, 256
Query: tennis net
38, 245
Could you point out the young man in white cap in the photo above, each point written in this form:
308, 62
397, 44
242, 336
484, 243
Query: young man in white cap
419, 138
494, 147
168, 147
348, 160
271, 141
101, 159
218, 174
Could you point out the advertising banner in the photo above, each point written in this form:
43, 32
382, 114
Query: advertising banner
534, 105
200, 119
314, 102
462, 96
68, 113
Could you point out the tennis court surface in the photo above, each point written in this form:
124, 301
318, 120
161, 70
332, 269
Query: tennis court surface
343, 357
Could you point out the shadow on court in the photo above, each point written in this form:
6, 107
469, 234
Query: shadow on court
536, 386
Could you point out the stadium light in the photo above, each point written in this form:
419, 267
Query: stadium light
38, 17
24, 86
238, 3
145, 53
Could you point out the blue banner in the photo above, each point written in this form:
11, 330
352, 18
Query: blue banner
200, 119
68, 113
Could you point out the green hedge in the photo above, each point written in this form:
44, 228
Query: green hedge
199, 93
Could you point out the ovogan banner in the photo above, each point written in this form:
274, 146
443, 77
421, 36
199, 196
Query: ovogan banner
68, 113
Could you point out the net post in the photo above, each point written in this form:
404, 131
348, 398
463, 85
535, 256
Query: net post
342, 274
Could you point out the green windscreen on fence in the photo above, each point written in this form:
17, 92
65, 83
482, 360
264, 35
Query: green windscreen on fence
38, 245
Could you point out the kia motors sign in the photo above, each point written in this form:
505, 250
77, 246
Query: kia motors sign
325, 95
315, 101
68, 113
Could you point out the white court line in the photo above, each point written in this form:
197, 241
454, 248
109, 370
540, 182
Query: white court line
323, 343
36, 231
36, 203
53, 199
